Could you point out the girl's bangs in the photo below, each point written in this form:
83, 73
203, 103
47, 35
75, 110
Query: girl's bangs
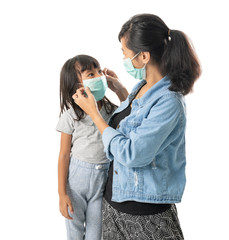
87, 62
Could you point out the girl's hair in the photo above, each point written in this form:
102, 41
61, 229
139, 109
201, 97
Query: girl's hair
70, 77
169, 49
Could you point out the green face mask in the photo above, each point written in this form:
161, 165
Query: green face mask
138, 73
98, 86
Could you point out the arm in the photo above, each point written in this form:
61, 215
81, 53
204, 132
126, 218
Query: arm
122, 94
63, 165
89, 105
148, 139
140, 148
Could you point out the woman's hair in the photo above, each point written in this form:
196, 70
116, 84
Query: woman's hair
70, 77
169, 49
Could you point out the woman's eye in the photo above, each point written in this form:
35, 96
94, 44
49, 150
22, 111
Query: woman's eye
90, 75
100, 72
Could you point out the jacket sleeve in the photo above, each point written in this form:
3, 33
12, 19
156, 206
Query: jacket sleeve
140, 148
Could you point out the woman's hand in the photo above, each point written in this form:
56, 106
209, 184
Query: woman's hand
112, 80
115, 85
64, 204
86, 103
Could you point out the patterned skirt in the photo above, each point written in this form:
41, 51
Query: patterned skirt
123, 226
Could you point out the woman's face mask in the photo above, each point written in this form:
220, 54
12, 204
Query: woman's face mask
138, 73
98, 86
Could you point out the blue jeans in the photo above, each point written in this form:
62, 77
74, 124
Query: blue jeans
85, 187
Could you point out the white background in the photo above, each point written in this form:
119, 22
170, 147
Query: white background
37, 37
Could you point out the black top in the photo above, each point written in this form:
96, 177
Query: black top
130, 207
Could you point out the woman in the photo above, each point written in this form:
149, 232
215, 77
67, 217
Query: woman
145, 138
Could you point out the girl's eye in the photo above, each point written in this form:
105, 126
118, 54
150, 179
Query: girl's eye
90, 75
100, 71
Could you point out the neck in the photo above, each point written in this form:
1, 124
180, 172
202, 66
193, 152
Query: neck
152, 75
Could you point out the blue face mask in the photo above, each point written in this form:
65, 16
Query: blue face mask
98, 86
138, 73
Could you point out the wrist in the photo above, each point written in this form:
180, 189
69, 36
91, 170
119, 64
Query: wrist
96, 116
118, 86
122, 94
62, 193
100, 122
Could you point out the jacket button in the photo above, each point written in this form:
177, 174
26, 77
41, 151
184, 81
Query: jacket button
116, 172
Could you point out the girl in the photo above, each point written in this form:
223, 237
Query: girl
82, 165
145, 137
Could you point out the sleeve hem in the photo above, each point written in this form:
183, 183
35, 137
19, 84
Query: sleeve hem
107, 136
63, 131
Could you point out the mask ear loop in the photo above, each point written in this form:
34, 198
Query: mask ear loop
144, 72
144, 68
135, 56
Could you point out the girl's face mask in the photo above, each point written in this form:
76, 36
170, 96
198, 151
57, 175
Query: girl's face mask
98, 86
138, 73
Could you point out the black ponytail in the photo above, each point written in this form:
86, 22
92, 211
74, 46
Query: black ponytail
169, 49
180, 62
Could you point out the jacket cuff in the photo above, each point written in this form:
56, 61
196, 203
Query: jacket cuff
107, 136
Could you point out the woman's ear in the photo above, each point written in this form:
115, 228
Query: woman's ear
145, 57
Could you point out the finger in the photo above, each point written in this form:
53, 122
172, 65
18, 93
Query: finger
110, 79
88, 92
74, 96
110, 73
66, 214
68, 217
105, 71
70, 208
80, 91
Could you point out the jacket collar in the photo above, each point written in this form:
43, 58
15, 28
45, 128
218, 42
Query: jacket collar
154, 91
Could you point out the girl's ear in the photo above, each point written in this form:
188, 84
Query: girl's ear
145, 57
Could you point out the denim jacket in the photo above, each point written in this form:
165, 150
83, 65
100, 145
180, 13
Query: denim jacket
148, 148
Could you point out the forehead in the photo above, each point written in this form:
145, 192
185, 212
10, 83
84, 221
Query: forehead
124, 46
123, 43
86, 65
91, 69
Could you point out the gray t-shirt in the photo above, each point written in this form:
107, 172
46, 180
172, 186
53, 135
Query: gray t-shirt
87, 142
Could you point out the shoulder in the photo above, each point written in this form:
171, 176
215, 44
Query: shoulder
69, 116
168, 103
172, 96
66, 123
69, 113
66, 114
172, 104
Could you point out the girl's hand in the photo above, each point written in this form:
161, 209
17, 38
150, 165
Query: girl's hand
64, 204
86, 103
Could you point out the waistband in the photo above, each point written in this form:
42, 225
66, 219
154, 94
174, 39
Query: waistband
90, 165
